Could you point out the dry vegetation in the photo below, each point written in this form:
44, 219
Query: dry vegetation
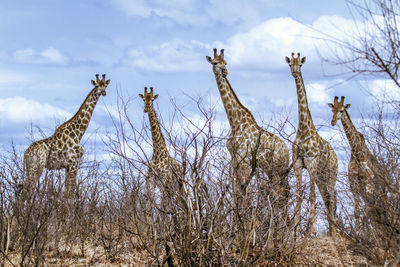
113, 221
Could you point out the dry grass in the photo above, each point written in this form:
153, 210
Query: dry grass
327, 251
313, 251
94, 256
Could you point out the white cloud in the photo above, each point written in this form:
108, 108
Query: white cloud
22, 55
181, 11
262, 47
54, 56
266, 45
197, 12
22, 110
48, 56
168, 57
318, 93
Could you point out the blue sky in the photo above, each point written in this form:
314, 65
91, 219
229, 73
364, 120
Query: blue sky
50, 50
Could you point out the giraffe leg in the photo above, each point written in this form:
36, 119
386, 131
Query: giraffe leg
32, 176
332, 200
298, 169
313, 203
326, 187
315, 178
70, 181
240, 174
357, 213
278, 188
150, 187
280, 208
354, 188
283, 194
241, 171
179, 185
71, 173
331, 207
151, 217
34, 164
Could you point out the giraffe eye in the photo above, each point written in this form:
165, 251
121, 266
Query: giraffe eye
341, 111
214, 63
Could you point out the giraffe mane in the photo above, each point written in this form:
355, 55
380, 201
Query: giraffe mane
80, 108
238, 101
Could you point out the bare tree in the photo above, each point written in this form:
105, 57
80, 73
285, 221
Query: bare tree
373, 50
373, 46
112, 221
206, 233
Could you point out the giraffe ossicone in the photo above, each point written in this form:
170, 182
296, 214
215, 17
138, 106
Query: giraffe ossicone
62, 150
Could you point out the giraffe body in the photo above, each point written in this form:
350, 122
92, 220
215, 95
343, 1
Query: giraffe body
310, 151
62, 150
362, 165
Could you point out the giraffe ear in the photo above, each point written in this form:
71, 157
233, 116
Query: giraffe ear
94, 83
107, 82
330, 105
287, 59
303, 60
209, 59
155, 96
141, 96
347, 106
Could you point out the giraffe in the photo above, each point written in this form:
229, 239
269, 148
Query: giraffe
250, 146
163, 172
62, 150
312, 152
362, 165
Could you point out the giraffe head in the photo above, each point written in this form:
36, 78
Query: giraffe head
295, 63
148, 99
338, 107
219, 63
101, 85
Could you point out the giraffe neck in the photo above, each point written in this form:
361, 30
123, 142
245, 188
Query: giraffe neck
82, 118
352, 134
159, 146
237, 113
305, 120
